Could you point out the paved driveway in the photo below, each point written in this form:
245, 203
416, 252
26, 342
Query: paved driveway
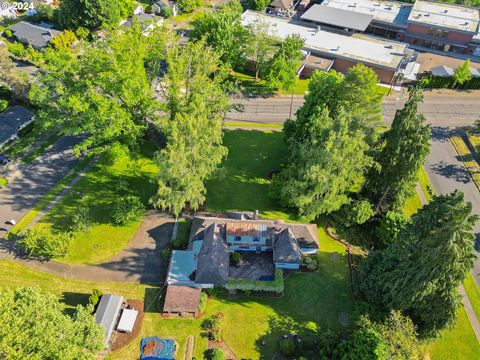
29, 183
447, 173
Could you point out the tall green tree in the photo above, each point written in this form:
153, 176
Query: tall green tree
92, 14
195, 106
105, 95
258, 5
261, 46
33, 325
223, 31
462, 73
420, 273
283, 68
16, 80
404, 149
189, 5
324, 166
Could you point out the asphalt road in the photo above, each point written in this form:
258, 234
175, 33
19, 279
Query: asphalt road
441, 110
447, 174
31, 182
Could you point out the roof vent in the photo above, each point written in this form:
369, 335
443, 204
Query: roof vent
445, 11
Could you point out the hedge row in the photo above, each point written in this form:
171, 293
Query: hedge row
438, 82
275, 286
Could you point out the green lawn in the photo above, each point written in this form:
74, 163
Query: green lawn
98, 188
240, 124
473, 293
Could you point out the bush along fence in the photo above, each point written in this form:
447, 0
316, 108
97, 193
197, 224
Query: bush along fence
275, 286
439, 82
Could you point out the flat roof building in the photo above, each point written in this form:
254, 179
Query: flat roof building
384, 56
338, 18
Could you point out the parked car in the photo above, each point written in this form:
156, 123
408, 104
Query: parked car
4, 160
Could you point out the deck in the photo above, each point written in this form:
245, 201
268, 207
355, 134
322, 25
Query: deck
255, 266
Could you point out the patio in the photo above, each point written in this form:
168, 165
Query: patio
254, 266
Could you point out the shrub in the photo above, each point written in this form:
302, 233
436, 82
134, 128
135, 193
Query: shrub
82, 32
310, 262
166, 12
189, 5
214, 326
126, 209
3, 105
203, 302
35, 57
44, 244
95, 297
81, 220
214, 354
114, 152
8, 33
17, 49
236, 258
64, 40
287, 347
166, 253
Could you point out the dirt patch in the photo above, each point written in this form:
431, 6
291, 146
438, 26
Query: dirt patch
222, 345
121, 339
189, 346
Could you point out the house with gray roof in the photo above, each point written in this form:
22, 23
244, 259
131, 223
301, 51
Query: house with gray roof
12, 120
35, 35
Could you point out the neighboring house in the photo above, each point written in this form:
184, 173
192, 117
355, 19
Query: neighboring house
425, 24
148, 22
159, 5
206, 263
6, 10
30, 34
12, 120
280, 6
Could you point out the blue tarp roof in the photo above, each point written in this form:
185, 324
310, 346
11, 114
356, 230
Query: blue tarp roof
157, 349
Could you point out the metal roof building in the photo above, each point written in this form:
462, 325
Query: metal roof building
340, 18
107, 314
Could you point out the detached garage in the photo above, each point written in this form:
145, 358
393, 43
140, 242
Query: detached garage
107, 314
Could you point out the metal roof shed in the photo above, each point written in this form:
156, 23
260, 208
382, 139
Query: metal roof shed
127, 320
338, 17
107, 314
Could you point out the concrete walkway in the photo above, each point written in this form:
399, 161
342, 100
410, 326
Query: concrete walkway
467, 305
140, 261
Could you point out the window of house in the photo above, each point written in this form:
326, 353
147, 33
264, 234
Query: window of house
256, 239
237, 238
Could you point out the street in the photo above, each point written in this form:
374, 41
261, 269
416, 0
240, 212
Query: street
32, 182
452, 110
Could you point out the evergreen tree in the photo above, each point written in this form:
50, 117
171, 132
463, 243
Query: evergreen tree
195, 106
403, 151
324, 166
420, 273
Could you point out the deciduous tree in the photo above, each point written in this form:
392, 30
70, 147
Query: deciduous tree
261, 46
462, 73
33, 325
420, 273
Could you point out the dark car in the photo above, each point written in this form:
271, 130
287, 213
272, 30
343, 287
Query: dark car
4, 160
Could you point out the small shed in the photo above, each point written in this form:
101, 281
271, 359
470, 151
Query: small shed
127, 320
182, 299
107, 314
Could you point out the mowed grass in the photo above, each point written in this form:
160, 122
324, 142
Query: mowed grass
467, 158
98, 189
473, 293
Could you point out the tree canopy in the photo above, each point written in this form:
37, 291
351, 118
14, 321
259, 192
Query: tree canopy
93, 14
404, 149
419, 274
34, 325
462, 73
195, 106
223, 31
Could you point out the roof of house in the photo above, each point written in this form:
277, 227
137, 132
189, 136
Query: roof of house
384, 11
359, 48
246, 228
213, 258
447, 16
142, 18
35, 35
338, 17
286, 248
182, 266
12, 120
107, 313
281, 4
182, 299
306, 235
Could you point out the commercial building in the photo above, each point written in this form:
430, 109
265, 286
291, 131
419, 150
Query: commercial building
424, 24
333, 50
